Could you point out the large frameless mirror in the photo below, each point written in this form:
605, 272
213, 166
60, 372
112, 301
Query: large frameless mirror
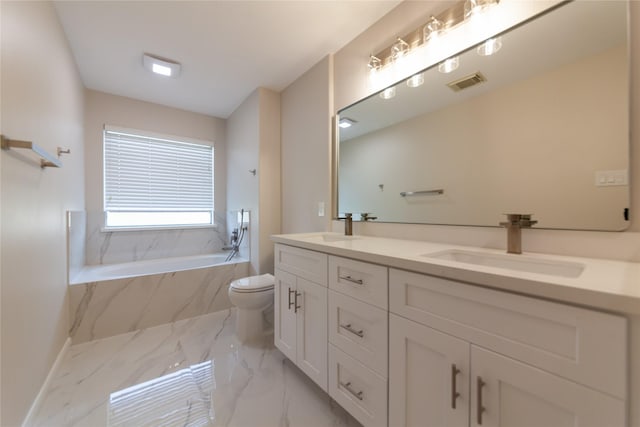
541, 126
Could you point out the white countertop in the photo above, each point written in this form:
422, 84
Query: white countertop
603, 284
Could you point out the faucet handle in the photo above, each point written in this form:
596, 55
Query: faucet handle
347, 215
522, 220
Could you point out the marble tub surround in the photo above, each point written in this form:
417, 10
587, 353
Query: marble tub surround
76, 238
603, 284
105, 308
112, 247
232, 384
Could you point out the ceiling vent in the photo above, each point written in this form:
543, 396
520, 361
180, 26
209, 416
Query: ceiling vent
467, 82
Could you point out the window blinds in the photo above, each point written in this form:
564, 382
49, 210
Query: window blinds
153, 175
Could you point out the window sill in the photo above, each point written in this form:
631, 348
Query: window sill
158, 228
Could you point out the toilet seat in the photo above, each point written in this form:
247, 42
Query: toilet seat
253, 284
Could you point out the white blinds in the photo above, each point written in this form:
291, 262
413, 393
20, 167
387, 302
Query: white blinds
155, 175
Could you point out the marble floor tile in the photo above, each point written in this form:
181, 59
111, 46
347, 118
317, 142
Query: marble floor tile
192, 372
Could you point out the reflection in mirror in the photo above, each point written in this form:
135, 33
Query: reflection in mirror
539, 126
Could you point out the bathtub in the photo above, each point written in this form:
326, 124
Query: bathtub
95, 273
106, 300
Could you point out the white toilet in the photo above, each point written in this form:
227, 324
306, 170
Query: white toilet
253, 297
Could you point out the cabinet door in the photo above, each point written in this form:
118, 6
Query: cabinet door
428, 376
515, 394
312, 331
284, 313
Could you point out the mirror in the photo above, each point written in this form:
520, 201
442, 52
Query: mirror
542, 128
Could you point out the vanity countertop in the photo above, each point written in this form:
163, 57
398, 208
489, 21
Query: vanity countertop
603, 284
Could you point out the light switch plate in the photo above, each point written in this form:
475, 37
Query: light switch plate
611, 178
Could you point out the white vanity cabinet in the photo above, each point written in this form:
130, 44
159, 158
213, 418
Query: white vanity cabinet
358, 338
300, 329
466, 355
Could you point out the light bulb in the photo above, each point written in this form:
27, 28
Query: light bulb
432, 30
449, 65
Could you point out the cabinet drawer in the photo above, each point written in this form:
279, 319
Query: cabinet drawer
303, 263
583, 345
361, 280
360, 330
358, 389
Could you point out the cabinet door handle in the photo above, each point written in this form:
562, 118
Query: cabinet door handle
348, 327
356, 394
480, 408
291, 302
351, 279
296, 306
454, 393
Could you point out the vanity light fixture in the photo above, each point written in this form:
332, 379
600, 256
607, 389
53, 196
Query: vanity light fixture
449, 65
490, 46
374, 63
388, 93
475, 7
415, 80
346, 122
399, 50
162, 66
432, 30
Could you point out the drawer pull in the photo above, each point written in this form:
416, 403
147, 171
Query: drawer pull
351, 279
480, 407
291, 302
296, 306
356, 394
454, 393
348, 327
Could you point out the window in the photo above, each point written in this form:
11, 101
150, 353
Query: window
153, 181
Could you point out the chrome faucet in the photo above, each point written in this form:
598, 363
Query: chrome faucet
365, 216
348, 223
514, 224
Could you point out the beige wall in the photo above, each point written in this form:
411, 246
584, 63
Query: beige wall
349, 76
253, 142
42, 101
105, 109
486, 171
306, 128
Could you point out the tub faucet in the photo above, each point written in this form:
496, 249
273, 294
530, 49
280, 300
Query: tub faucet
514, 224
348, 223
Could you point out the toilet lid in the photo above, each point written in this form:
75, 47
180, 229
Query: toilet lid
253, 283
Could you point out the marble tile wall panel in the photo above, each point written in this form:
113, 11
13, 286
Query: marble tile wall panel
106, 308
76, 238
114, 247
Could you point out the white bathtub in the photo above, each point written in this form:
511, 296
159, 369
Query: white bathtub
97, 273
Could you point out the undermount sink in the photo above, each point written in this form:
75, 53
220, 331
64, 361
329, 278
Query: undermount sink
331, 237
511, 262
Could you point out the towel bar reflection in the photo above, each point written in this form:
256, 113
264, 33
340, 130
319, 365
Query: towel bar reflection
46, 159
422, 193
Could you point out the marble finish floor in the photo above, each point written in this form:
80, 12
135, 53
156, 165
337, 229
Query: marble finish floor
193, 372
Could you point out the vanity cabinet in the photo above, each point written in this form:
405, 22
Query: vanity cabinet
300, 307
358, 338
466, 355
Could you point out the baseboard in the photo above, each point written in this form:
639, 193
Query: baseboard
36, 403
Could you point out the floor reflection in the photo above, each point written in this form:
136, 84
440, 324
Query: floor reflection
178, 398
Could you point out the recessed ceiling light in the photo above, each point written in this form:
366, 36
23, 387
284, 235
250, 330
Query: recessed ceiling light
346, 122
162, 66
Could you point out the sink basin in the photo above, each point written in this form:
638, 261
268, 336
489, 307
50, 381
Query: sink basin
512, 262
331, 237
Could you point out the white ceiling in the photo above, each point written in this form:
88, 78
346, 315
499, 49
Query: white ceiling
227, 48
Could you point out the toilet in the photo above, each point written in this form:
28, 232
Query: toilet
253, 298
